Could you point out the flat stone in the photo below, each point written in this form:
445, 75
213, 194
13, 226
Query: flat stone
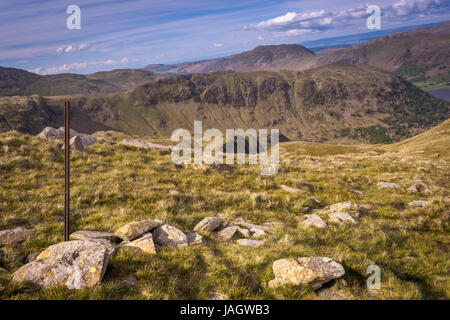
344, 207
419, 203
226, 233
290, 189
341, 217
169, 236
142, 244
240, 222
16, 235
133, 230
95, 235
244, 232
388, 185
75, 264
313, 272
250, 243
314, 220
194, 238
258, 233
208, 224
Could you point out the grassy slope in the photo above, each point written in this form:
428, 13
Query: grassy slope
409, 245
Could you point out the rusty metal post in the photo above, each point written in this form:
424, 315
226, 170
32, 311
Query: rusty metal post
67, 170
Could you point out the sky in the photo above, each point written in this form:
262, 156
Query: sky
133, 33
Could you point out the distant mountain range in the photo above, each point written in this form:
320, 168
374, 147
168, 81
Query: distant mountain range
21, 82
351, 95
412, 53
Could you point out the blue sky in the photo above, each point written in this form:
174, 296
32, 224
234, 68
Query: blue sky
133, 33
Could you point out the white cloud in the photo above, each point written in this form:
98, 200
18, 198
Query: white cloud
72, 48
294, 24
77, 66
260, 38
218, 45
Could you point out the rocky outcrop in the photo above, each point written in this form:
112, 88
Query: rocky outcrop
16, 235
313, 272
134, 229
75, 264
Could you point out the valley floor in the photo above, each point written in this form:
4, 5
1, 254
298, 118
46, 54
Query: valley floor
114, 184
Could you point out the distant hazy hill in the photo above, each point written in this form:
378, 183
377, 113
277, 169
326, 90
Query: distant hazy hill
21, 82
269, 58
412, 53
335, 103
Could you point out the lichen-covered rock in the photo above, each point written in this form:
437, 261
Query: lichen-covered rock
314, 220
257, 233
194, 238
250, 243
226, 233
208, 224
388, 185
313, 272
344, 207
16, 235
58, 134
134, 229
169, 236
76, 144
341, 217
75, 264
244, 232
142, 244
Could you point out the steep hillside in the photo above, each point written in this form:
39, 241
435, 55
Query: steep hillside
15, 81
416, 53
20, 82
125, 78
269, 58
336, 104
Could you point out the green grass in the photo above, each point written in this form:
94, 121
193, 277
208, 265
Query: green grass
115, 184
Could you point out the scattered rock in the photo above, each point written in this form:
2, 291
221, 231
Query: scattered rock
144, 144
364, 210
258, 233
218, 296
58, 134
169, 236
419, 203
194, 238
290, 189
95, 235
341, 217
313, 272
75, 264
143, 244
412, 189
388, 185
226, 233
16, 235
344, 206
208, 224
312, 203
333, 294
250, 243
240, 222
358, 192
315, 221
129, 281
244, 232
76, 144
133, 230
